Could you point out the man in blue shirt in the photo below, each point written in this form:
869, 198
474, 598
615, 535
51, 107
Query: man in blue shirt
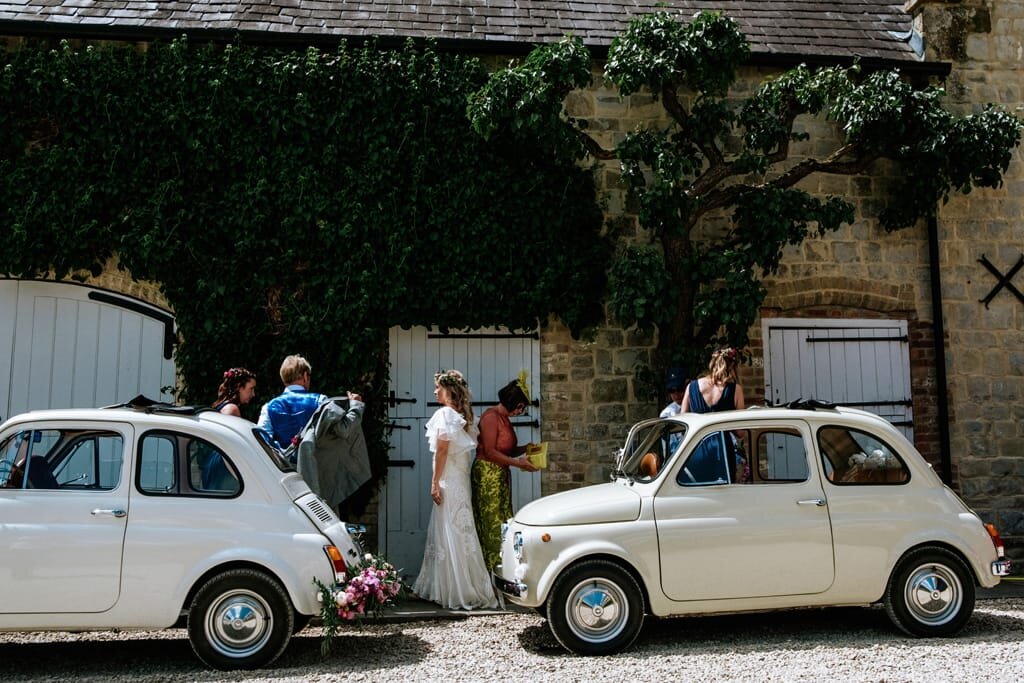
284, 417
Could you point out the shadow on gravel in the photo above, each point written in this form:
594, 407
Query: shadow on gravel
112, 656
854, 627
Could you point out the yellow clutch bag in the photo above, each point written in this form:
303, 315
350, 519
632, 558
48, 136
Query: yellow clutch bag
537, 454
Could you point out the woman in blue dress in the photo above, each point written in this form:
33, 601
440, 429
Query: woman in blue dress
717, 390
714, 392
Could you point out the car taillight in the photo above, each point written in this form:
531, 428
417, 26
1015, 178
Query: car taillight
337, 561
996, 541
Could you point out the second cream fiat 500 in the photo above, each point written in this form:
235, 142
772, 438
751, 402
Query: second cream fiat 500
767, 508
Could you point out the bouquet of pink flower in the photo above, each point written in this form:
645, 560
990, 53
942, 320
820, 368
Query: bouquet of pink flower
371, 589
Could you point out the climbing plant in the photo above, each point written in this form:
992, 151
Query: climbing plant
292, 202
715, 185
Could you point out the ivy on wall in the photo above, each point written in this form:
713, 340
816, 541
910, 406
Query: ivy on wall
292, 202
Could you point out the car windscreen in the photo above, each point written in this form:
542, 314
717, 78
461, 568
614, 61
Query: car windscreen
649, 446
276, 456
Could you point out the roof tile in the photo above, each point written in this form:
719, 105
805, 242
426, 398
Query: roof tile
842, 28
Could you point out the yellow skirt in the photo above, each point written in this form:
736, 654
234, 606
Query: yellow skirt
492, 505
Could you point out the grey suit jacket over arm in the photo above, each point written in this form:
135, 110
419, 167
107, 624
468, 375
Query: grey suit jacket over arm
332, 454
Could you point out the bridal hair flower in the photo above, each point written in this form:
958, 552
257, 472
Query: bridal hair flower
524, 385
450, 378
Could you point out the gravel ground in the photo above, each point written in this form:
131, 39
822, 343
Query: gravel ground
848, 644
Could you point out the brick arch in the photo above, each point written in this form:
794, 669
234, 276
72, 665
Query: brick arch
852, 297
114, 278
840, 292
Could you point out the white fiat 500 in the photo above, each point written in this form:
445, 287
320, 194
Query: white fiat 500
133, 518
767, 508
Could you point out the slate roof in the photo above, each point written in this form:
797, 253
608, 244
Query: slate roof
838, 30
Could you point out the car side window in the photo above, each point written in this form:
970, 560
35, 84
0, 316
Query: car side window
157, 471
708, 461
179, 464
62, 459
853, 457
209, 469
781, 456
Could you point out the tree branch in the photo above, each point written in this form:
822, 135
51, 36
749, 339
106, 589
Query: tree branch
595, 149
832, 164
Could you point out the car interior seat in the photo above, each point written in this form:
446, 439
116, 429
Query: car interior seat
39, 474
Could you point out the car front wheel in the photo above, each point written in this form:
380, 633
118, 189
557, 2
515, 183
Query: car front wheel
595, 608
931, 593
240, 619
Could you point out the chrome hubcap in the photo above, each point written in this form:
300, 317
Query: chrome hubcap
596, 610
238, 624
933, 594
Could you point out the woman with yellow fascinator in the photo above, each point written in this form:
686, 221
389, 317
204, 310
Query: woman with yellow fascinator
498, 450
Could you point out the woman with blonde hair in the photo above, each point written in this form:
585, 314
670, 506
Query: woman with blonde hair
717, 390
453, 573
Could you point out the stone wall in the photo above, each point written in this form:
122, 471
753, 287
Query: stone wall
591, 389
984, 41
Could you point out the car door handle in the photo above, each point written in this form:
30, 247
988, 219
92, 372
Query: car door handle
115, 512
818, 502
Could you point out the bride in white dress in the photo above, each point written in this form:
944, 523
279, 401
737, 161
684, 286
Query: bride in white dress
453, 573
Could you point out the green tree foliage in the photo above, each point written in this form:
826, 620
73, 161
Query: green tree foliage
722, 153
292, 202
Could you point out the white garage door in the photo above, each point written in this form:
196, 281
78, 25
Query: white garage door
64, 345
859, 363
490, 359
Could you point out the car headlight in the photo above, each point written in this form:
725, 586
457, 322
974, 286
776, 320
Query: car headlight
504, 531
517, 545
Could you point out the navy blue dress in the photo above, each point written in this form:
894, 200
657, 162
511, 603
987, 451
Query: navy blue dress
710, 461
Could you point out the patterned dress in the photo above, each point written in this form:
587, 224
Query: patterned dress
453, 573
492, 489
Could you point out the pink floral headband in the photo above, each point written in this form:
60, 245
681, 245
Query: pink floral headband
450, 378
237, 372
729, 353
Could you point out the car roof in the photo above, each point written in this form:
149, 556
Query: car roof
157, 414
808, 411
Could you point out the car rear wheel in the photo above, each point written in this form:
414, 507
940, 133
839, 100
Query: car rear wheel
931, 593
241, 619
595, 608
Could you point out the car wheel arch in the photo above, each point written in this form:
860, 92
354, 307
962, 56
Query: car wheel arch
617, 560
216, 570
944, 545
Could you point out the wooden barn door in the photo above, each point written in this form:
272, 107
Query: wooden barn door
489, 358
858, 363
64, 345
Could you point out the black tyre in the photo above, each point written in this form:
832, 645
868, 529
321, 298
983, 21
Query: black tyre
301, 622
241, 619
595, 608
930, 593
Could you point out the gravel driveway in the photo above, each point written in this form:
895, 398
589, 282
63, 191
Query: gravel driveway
848, 644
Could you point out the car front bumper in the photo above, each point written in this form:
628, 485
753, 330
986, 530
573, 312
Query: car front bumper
515, 589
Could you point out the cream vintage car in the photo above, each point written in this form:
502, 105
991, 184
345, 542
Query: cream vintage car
761, 509
146, 517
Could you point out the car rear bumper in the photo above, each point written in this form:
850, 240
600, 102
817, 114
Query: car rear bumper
1001, 567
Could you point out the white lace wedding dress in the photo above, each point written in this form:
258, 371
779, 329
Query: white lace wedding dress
453, 573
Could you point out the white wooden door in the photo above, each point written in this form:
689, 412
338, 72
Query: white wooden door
64, 345
858, 363
490, 359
